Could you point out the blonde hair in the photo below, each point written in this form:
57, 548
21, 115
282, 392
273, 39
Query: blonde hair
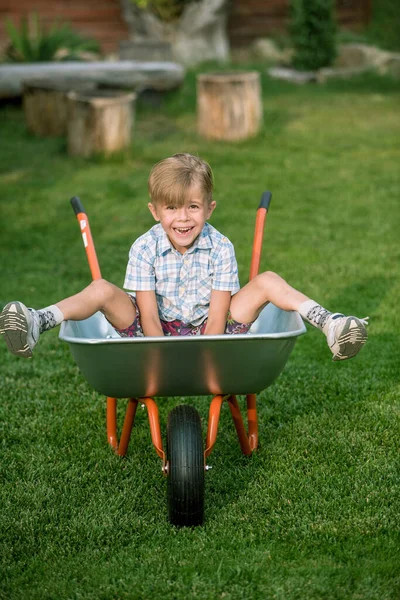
171, 178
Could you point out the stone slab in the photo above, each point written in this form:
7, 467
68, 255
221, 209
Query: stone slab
127, 74
292, 75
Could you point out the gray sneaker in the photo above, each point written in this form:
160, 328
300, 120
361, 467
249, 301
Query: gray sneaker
19, 326
346, 335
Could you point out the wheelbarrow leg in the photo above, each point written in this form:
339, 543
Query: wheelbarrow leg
240, 428
155, 430
127, 426
252, 420
213, 421
248, 441
121, 447
112, 423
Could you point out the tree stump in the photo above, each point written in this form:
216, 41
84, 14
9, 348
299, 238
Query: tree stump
46, 106
99, 122
229, 105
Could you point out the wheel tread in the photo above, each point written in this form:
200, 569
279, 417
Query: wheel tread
186, 467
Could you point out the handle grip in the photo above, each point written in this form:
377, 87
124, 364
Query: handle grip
265, 200
77, 205
259, 233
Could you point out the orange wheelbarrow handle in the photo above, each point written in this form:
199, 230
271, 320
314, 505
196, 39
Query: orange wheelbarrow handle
87, 237
259, 233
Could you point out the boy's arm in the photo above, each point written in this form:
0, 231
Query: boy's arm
218, 312
149, 318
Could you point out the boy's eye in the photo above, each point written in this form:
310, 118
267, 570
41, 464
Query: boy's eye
194, 206
170, 207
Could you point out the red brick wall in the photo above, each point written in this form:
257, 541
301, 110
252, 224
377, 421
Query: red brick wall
100, 19
250, 19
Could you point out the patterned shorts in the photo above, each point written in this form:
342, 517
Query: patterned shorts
179, 328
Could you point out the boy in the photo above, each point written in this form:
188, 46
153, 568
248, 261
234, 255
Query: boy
184, 276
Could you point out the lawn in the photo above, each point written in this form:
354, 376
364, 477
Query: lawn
314, 513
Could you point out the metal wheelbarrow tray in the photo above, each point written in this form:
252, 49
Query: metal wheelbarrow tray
143, 368
183, 366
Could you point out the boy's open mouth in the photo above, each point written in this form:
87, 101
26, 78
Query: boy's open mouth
183, 230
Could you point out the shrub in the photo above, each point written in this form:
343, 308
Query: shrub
166, 10
385, 25
313, 31
33, 43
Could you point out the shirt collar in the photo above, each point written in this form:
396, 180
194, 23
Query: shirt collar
203, 242
164, 245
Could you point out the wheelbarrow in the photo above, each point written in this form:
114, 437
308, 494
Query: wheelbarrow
223, 366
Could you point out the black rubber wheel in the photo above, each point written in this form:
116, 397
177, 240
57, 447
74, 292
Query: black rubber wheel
185, 457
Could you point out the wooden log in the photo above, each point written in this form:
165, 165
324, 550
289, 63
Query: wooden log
46, 105
99, 122
229, 105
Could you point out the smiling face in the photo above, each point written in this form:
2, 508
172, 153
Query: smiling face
183, 224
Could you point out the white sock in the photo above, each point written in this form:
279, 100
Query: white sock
315, 314
50, 317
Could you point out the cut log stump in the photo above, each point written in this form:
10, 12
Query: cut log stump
99, 122
46, 106
229, 105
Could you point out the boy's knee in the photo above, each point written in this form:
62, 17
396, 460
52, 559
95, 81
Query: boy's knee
270, 275
267, 278
103, 289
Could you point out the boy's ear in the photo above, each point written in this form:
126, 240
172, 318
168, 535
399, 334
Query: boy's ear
211, 208
153, 211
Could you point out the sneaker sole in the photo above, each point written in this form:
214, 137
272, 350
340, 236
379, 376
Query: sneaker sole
351, 340
14, 329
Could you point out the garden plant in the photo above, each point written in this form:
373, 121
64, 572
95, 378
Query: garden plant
32, 41
166, 10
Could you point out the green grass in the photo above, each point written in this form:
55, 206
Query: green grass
314, 513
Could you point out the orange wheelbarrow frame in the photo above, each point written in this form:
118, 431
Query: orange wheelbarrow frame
248, 440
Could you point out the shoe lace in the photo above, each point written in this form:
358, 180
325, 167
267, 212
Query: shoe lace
319, 315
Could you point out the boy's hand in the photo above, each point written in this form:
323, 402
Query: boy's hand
149, 318
218, 312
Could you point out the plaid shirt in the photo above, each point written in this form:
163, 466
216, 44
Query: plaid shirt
182, 282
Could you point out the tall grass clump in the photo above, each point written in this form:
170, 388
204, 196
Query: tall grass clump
34, 42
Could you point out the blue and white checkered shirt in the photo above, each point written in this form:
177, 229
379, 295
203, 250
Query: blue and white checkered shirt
182, 282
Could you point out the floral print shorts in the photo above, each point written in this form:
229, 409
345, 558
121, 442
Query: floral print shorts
179, 328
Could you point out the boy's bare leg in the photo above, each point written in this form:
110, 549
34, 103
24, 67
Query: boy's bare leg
102, 296
21, 326
345, 335
267, 287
